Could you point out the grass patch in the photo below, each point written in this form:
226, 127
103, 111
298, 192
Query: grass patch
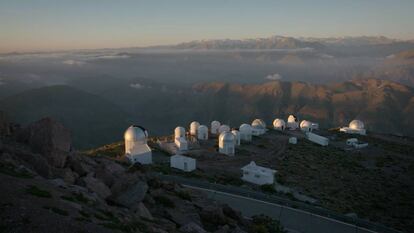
9, 169
165, 201
57, 210
35, 191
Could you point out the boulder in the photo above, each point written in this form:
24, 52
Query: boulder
79, 166
192, 228
49, 138
143, 212
233, 214
132, 195
97, 186
213, 216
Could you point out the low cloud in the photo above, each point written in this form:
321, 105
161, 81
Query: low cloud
71, 62
136, 85
275, 76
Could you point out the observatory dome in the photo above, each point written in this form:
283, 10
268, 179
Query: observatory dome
356, 124
179, 132
136, 133
259, 123
279, 123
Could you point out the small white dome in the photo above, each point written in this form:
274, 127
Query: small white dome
215, 124
279, 123
136, 133
226, 137
259, 123
193, 128
305, 124
356, 124
245, 128
179, 132
224, 128
292, 119
202, 128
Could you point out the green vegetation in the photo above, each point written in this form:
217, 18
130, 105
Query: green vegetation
165, 201
35, 191
265, 224
57, 210
11, 170
111, 150
77, 197
185, 195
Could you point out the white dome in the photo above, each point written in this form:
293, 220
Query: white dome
193, 127
245, 128
179, 132
226, 137
215, 124
136, 133
202, 128
235, 132
259, 123
292, 119
224, 128
305, 124
356, 124
279, 123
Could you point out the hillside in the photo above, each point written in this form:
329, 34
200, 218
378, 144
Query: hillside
92, 119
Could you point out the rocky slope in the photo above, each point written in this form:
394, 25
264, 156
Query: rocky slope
46, 187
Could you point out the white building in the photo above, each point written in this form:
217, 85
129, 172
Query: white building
245, 132
323, 141
236, 134
279, 124
306, 126
258, 127
136, 147
179, 139
223, 128
215, 125
258, 175
183, 163
355, 127
292, 122
193, 128
226, 143
202, 132
355, 143
293, 140
315, 126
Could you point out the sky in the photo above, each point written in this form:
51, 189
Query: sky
45, 25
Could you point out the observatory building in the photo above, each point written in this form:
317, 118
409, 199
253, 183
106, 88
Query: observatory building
245, 132
323, 141
279, 124
193, 128
226, 143
215, 125
236, 135
292, 122
136, 147
202, 132
258, 127
179, 139
223, 128
258, 175
306, 126
355, 127
183, 163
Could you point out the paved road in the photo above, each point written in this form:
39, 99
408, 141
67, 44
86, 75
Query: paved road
293, 215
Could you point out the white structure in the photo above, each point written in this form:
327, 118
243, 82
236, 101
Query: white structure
236, 134
183, 163
136, 148
293, 140
245, 132
215, 125
258, 175
315, 126
193, 128
279, 124
179, 139
223, 128
355, 143
202, 132
292, 122
306, 126
258, 127
181, 144
355, 127
323, 141
226, 143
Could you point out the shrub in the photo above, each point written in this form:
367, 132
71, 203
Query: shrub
184, 195
57, 210
265, 224
35, 191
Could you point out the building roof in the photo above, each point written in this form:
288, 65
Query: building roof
252, 167
182, 157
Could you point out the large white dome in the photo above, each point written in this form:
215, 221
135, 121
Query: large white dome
356, 124
226, 137
136, 133
292, 119
259, 123
279, 123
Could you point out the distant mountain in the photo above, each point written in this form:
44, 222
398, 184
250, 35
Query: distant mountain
384, 106
92, 119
